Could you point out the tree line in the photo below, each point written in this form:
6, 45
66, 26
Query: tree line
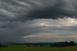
3, 45
63, 44
58, 44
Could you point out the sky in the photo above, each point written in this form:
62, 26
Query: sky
38, 20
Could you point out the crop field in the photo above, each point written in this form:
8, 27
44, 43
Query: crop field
32, 48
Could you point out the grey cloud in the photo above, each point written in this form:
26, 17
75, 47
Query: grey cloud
37, 9
32, 13
53, 12
72, 28
14, 31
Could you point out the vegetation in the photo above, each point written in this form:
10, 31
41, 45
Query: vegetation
33, 48
60, 46
3, 45
64, 44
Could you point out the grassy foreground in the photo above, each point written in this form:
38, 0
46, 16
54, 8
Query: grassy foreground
25, 48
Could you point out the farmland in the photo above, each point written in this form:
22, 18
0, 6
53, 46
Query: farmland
32, 48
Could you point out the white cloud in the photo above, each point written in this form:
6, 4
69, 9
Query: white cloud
57, 23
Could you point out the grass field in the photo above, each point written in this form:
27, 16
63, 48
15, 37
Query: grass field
25, 48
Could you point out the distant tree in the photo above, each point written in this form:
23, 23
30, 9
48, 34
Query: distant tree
41, 45
6, 45
66, 43
72, 43
60, 44
28, 45
0, 45
35, 45
63, 44
51, 45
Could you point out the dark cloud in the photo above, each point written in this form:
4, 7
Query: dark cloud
53, 12
37, 9
15, 31
38, 18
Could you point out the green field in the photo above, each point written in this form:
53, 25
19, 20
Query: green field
25, 48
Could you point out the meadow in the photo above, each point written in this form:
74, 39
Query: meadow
32, 48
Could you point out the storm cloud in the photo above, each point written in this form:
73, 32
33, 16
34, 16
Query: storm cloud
32, 20
37, 9
53, 12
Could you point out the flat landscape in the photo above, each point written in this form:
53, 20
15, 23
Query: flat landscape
32, 48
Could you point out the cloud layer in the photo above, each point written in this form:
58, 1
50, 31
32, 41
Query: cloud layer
36, 9
38, 20
39, 30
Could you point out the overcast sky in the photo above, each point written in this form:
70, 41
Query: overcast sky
38, 20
